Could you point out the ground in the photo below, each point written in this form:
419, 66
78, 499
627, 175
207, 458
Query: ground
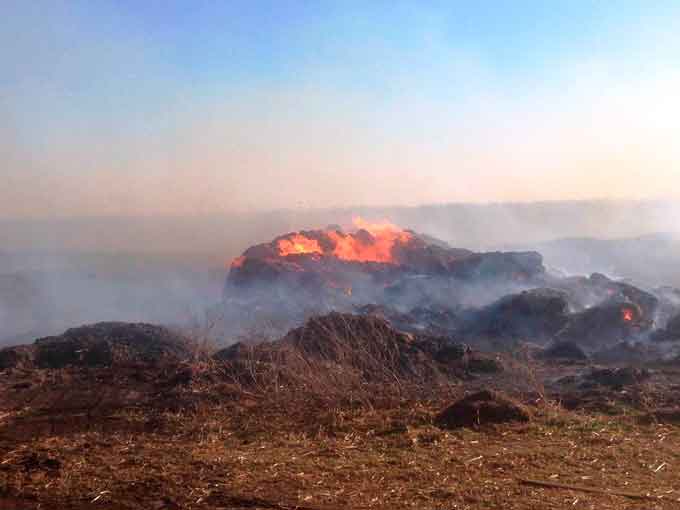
161, 442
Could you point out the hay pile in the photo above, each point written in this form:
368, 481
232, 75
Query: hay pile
339, 350
482, 408
101, 344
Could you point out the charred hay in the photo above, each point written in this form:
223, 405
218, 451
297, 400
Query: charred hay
536, 314
628, 353
617, 377
16, 357
564, 350
101, 344
588, 291
604, 325
671, 333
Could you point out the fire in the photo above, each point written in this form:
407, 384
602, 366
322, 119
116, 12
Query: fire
627, 315
377, 247
298, 244
369, 242
380, 229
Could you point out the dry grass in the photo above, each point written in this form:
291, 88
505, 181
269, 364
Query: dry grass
195, 436
250, 454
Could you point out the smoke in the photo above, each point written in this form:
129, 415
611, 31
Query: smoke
61, 273
44, 294
117, 145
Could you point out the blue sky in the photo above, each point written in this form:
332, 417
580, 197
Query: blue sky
181, 107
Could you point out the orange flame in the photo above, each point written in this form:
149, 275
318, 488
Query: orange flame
298, 244
384, 236
376, 247
379, 229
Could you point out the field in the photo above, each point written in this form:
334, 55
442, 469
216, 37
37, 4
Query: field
183, 436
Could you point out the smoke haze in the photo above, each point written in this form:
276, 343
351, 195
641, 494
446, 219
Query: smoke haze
143, 147
61, 273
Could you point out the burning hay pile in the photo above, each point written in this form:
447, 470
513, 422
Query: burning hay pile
377, 304
372, 255
318, 271
490, 300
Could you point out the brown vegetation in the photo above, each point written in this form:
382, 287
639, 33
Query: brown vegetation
278, 427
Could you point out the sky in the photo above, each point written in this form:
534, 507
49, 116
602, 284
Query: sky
113, 108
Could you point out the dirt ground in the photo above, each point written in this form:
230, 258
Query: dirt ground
155, 438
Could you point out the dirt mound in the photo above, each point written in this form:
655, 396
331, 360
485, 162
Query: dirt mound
564, 350
481, 408
100, 344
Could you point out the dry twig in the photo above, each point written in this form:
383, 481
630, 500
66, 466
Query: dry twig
580, 488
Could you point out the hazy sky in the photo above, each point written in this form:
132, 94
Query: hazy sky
166, 107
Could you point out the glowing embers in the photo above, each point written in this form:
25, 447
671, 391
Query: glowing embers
627, 314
